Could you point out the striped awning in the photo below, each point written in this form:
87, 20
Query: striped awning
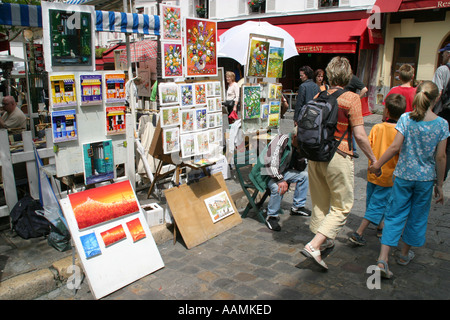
13, 14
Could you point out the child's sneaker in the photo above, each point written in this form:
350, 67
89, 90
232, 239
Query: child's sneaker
357, 239
272, 223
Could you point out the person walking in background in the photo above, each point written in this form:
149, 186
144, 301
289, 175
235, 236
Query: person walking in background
232, 98
378, 190
421, 141
279, 167
442, 107
306, 91
331, 183
406, 75
355, 85
319, 78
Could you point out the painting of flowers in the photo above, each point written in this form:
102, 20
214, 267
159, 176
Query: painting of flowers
200, 93
187, 95
257, 58
172, 65
170, 22
201, 50
251, 102
275, 66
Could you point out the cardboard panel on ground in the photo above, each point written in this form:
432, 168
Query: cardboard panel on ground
111, 236
187, 204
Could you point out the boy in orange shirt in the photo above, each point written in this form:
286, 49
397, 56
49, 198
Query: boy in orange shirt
379, 188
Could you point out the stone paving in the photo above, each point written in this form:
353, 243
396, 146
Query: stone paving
250, 262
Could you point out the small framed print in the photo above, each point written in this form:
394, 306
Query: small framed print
171, 140
187, 120
186, 94
219, 206
168, 93
200, 93
188, 147
170, 116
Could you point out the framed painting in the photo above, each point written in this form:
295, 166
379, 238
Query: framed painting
200, 93
113, 235
64, 125
103, 204
115, 120
90, 245
274, 120
91, 89
202, 143
170, 22
171, 60
275, 65
201, 47
170, 116
219, 206
275, 107
251, 102
98, 161
265, 108
168, 93
187, 121
136, 230
275, 90
258, 54
186, 95
187, 145
63, 91
171, 140
200, 119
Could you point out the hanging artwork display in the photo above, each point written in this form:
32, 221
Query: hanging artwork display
186, 95
251, 101
275, 91
171, 60
115, 87
200, 119
168, 93
170, 116
63, 91
64, 125
219, 206
188, 120
91, 89
115, 120
170, 22
275, 65
258, 54
187, 145
171, 140
111, 236
202, 143
201, 47
274, 106
200, 93
265, 108
98, 162
102, 204
274, 120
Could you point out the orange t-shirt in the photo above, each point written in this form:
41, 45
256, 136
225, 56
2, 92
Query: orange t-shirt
381, 137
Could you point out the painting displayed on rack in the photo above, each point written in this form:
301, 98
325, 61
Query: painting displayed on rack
186, 95
64, 125
275, 107
115, 87
136, 230
102, 204
202, 143
219, 206
63, 91
201, 49
168, 93
275, 65
187, 120
171, 140
115, 120
200, 119
170, 22
251, 102
275, 90
71, 41
200, 93
265, 108
171, 60
170, 116
98, 162
274, 120
90, 245
258, 54
91, 89
187, 145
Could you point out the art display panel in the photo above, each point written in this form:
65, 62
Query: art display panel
201, 47
117, 251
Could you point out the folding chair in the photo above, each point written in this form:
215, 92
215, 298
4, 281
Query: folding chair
242, 160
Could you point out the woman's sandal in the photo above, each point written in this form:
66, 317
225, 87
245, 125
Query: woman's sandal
404, 260
314, 254
385, 273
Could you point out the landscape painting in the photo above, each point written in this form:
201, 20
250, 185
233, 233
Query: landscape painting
219, 206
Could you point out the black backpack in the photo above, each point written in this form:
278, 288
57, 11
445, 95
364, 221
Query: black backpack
443, 105
26, 222
316, 125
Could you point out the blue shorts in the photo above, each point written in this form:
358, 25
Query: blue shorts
408, 214
377, 201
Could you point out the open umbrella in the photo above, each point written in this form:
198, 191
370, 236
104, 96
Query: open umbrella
140, 51
234, 42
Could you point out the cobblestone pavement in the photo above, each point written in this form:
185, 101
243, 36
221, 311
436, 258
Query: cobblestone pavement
250, 262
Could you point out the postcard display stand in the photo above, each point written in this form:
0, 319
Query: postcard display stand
191, 124
260, 93
115, 245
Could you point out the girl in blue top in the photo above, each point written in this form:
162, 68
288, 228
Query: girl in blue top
421, 140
